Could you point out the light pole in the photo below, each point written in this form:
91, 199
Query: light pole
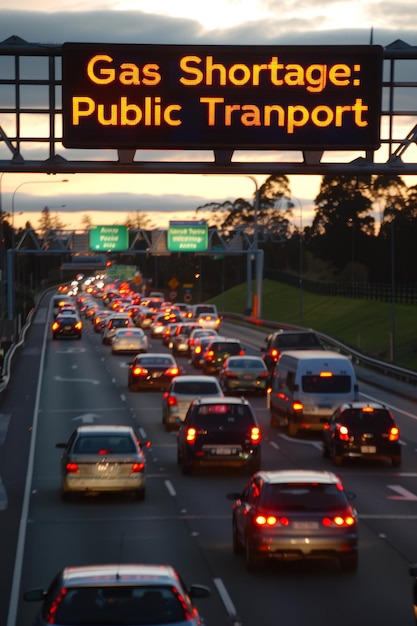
259, 255
291, 205
11, 253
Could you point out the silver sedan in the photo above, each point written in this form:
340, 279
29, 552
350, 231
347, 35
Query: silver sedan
129, 340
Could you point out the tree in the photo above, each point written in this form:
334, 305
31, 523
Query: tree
86, 221
139, 221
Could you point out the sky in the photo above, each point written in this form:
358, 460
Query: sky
108, 199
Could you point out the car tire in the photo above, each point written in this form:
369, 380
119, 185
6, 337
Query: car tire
274, 421
325, 451
292, 428
349, 562
337, 459
237, 546
396, 461
252, 561
140, 494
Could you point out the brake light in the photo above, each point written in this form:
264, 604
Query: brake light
50, 617
79, 325
55, 326
171, 400
394, 433
297, 406
255, 434
339, 521
191, 435
72, 468
210, 355
241, 353
172, 371
197, 350
137, 468
325, 374
343, 433
139, 371
274, 354
271, 520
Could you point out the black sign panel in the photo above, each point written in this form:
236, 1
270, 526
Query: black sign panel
221, 97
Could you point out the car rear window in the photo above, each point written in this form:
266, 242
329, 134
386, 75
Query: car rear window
196, 388
104, 444
229, 347
303, 497
357, 417
121, 604
227, 416
156, 361
297, 341
246, 363
326, 384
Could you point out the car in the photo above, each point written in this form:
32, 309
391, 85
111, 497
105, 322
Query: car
218, 350
185, 310
219, 432
119, 594
115, 321
59, 301
181, 392
413, 573
283, 340
153, 371
244, 373
162, 320
362, 430
128, 340
100, 320
206, 316
103, 458
198, 350
198, 332
68, 310
180, 338
288, 515
67, 326
168, 331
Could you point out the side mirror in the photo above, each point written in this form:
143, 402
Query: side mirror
60, 445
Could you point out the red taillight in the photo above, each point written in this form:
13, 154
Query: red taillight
274, 354
71, 468
137, 468
172, 401
264, 375
172, 371
197, 350
79, 325
271, 520
394, 433
255, 434
230, 374
210, 355
139, 371
55, 326
50, 617
338, 521
343, 433
191, 435
297, 406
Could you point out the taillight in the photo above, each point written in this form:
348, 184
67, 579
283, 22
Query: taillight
137, 468
55, 326
394, 433
172, 401
197, 350
230, 374
271, 520
338, 521
274, 354
255, 434
297, 406
241, 353
79, 325
71, 468
264, 375
343, 433
210, 355
139, 371
191, 435
172, 371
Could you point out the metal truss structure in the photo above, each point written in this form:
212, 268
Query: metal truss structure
31, 128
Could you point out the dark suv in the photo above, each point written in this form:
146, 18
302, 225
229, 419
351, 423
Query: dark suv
218, 351
360, 430
219, 432
284, 340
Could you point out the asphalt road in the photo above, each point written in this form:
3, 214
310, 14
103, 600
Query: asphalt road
185, 520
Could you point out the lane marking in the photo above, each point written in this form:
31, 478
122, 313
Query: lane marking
4, 425
227, 601
404, 494
3, 496
77, 380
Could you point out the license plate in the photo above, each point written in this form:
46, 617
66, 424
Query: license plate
67, 327
247, 376
156, 374
305, 525
224, 451
368, 449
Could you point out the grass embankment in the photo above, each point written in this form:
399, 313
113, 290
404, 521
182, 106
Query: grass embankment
365, 325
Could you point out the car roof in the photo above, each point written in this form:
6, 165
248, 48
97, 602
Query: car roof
92, 429
299, 475
362, 405
194, 378
224, 400
119, 574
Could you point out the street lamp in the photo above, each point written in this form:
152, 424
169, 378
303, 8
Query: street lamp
11, 253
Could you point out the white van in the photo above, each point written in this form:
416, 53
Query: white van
308, 386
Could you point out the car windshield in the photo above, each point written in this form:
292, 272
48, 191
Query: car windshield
373, 418
119, 323
104, 444
156, 361
303, 497
122, 604
229, 347
196, 388
224, 416
305, 340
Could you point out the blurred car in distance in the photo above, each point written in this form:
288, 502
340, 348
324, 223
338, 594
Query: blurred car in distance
115, 321
152, 371
103, 458
244, 374
118, 594
60, 301
362, 430
67, 326
128, 340
180, 338
198, 350
168, 332
181, 392
219, 432
100, 319
284, 340
206, 316
218, 350
162, 320
288, 515
198, 332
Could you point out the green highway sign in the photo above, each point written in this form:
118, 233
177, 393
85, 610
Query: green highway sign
186, 236
109, 238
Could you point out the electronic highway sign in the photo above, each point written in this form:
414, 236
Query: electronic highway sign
148, 96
